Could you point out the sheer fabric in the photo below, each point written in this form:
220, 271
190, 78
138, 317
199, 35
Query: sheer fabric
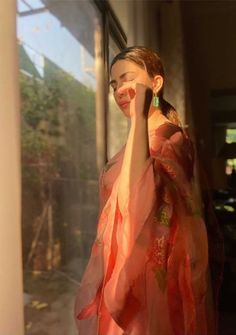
148, 269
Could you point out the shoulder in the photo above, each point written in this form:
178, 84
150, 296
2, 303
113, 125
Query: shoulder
169, 130
166, 134
172, 143
174, 136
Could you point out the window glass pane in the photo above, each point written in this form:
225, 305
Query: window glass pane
22, 6
118, 124
59, 45
230, 138
29, 4
230, 135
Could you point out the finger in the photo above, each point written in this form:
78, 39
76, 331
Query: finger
128, 88
132, 92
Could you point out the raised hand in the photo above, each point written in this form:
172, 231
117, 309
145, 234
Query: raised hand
139, 97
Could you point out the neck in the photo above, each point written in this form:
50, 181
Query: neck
155, 118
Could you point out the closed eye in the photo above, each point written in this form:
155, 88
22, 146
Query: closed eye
124, 77
124, 81
114, 88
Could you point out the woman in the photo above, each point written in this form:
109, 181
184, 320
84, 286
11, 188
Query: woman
148, 270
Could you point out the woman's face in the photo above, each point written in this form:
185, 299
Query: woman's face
124, 73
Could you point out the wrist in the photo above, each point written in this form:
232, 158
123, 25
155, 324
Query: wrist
139, 122
138, 118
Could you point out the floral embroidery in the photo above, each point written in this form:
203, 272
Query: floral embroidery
163, 217
158, 256
158, 252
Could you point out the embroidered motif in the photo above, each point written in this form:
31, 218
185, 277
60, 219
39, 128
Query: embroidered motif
162, 217
158, 252
158, 256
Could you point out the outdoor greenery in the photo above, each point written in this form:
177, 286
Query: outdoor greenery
58, 132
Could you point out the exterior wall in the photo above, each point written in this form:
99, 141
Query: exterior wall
11, 288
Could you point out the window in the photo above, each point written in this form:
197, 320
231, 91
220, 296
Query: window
230, 138
117, 123
60, 46
64, 47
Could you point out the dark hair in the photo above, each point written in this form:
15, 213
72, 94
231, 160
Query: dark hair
151, 62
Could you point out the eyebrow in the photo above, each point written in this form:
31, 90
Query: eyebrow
121, 77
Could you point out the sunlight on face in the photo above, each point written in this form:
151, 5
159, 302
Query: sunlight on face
124, 74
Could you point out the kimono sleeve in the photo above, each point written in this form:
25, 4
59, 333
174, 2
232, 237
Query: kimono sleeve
183, 267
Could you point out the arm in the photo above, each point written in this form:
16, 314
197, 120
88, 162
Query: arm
136, 152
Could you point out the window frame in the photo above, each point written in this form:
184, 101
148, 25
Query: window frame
111, 26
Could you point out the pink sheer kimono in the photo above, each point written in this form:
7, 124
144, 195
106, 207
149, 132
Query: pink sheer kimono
148, 269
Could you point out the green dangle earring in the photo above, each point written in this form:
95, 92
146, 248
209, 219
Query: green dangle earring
155, 100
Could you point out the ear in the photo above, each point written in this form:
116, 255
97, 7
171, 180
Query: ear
157, 83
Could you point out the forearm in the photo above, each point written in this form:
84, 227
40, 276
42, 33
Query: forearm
135, 155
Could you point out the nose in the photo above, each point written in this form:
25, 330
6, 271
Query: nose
121, 91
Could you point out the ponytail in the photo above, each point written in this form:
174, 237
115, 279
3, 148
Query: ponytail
170, 112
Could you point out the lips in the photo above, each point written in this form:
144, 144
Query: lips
124, 104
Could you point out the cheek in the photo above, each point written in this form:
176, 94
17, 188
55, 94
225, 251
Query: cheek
149, 83
115, 97
146, 80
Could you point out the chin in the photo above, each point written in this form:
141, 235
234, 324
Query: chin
126, 114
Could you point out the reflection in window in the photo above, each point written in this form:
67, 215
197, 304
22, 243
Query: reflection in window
58, 83
117, 122
230, 138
